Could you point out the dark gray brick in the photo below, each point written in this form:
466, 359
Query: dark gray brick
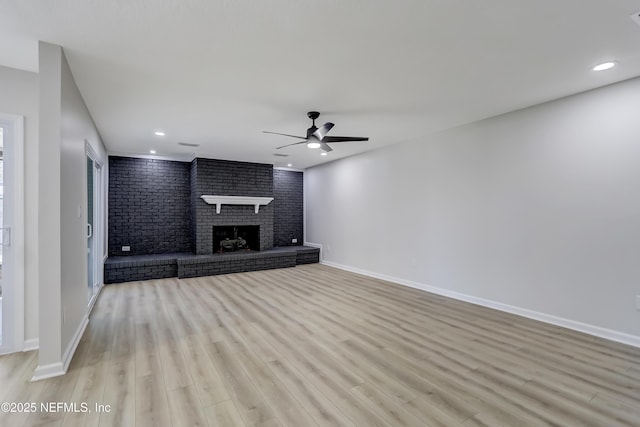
227, 178
288, 207
155, 207
149, 207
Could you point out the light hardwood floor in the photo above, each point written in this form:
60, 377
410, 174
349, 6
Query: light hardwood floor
311, 346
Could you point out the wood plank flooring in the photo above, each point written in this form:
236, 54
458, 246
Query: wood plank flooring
316, 346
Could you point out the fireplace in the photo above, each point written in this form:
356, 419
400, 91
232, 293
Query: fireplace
230, 238
239, 191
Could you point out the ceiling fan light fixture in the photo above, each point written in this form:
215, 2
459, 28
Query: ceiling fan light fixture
604, 66
188, 144
314, 144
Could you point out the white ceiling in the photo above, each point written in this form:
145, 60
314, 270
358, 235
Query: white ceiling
218, 72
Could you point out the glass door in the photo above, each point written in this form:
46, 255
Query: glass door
94, 228
91, 250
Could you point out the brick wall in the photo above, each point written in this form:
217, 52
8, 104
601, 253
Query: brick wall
193, 202
288, 207
228, 178
149, 207
155, 205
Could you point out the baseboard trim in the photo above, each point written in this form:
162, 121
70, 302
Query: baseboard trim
586, 328
93, 300
73, 345
60, 368
31, 344
48, 371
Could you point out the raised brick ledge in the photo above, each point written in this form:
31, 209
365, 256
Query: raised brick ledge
147, 267
206, 259
307, 250
213, 265
144, 260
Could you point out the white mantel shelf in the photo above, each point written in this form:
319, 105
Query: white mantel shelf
256, 202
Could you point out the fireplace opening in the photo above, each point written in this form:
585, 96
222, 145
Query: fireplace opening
230, 238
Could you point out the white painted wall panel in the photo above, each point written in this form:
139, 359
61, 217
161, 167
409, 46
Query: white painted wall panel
537, 209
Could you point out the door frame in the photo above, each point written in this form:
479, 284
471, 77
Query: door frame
98, 216
14, 133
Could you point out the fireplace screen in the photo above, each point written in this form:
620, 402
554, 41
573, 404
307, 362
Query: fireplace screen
231, 238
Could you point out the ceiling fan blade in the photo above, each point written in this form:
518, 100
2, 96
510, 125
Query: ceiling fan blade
289, 145
345, 138
323, 130
284, 134
325, 147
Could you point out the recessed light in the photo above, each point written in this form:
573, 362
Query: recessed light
289, 165
158, 133
314, 145
324, 153
152, 151
604, 66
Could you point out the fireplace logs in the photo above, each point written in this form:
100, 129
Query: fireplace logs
236, 237
228, 245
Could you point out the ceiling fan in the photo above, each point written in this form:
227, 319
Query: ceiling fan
317, 136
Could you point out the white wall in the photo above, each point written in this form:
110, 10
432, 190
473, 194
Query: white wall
537, 209
65, 125
50, 320
19, 91
77, 127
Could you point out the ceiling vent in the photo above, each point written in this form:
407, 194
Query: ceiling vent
188, 144
636, 17
280, 155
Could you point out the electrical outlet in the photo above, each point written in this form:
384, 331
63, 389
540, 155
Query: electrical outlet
637, 302
126, 248
294, 240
